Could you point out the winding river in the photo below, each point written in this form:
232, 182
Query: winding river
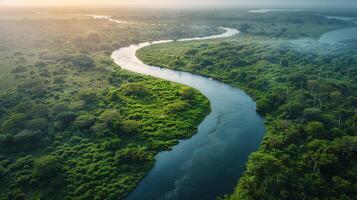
340, 36
210, 163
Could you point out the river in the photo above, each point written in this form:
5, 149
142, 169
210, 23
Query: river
210, 163
340, 36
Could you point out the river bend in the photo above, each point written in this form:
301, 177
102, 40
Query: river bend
210, 163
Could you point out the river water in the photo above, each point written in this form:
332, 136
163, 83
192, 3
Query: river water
340, 36
210, 163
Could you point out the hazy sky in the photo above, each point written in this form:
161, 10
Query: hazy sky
184, 3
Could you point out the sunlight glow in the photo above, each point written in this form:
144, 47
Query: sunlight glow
175, 3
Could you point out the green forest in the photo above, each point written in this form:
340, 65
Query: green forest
308, 100
73, 125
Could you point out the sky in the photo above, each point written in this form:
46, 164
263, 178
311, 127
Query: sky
182, 3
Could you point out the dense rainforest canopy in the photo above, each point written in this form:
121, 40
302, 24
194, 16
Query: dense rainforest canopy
73, 125
307, 93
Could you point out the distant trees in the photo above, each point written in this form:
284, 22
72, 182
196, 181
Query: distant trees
64, 119
63, 135
130, 127
88, 96
27, 140
34, 87
306, 97
37, 124
84, 121
93, 37
48, 172
312, 114
14, 123
83, 61
316, 130
46, 166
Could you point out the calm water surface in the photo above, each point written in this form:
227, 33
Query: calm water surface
210, 163
340, 35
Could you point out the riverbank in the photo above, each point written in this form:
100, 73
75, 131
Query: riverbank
220, 148
307, 110
73, 125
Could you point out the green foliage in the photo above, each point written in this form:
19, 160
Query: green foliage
307, 98
46, 167
83, 61
187, 93
84, 121
27, 140
64, 119
176, 107
130, 127
134, 89
72, 124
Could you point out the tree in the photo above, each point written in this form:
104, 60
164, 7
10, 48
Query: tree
27, 140
93, 37
130, 127
312, 114
83, 61
14, 123
64, 119
320, 153
39, 110
132, 155
84, 121
187, 93
109, 115
266, 171
46, 168
59, 80
88, 96
134, 89
37, 124
176, 107
316, 130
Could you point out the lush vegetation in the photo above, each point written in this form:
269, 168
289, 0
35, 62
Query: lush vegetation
73, 125
308, 98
